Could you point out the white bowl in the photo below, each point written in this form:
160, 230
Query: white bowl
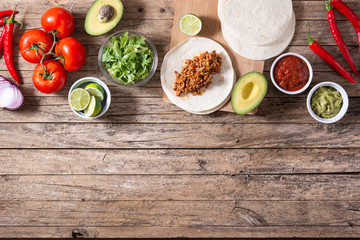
310, 73
81, 83
343, 109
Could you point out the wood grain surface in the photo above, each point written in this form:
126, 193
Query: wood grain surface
147, 169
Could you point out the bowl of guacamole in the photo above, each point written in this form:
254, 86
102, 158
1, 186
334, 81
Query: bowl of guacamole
327, 102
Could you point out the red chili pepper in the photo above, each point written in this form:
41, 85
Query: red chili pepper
349, 14
8, 48
2, 36
2, 21
7, 13
338, 38
321, 52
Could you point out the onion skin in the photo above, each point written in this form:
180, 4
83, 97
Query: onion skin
9, 87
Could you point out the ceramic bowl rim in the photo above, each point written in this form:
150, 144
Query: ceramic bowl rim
83, 80
344, 107
311, 73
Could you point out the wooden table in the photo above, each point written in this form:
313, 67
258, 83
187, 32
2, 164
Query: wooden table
148, 169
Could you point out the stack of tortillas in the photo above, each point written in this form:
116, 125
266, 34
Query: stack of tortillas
216, 95
257, 29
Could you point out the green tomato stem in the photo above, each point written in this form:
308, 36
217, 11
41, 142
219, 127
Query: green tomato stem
47, 75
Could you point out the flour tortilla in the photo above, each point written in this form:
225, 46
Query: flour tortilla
216, 93
256, 22
218, 107
259, 52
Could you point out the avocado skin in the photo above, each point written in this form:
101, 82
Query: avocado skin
95, 28
260, 81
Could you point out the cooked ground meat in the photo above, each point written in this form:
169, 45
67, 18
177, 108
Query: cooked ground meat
196, 74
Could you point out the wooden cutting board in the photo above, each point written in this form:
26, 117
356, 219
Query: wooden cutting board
207, 12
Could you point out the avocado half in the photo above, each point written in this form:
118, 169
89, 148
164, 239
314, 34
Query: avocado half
248, 92
96, 28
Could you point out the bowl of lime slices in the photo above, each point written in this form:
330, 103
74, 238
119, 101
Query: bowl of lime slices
89, 98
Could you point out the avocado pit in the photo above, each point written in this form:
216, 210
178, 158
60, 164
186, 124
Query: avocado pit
105, 13
248, 88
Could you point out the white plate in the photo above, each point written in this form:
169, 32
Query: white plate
215, 94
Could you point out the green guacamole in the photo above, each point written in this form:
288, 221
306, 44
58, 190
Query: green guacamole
326, 102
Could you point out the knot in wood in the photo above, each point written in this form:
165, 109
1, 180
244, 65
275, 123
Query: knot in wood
79, 233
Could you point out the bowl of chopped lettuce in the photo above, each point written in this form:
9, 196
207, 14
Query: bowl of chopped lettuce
128, 58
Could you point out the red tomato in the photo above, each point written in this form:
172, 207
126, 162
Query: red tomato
33, 43
72, 53
54, 81
59, 19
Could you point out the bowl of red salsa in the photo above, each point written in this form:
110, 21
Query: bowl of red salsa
291, 73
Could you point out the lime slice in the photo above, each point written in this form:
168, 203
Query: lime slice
96, 90
190, 24
79, 99
94, 107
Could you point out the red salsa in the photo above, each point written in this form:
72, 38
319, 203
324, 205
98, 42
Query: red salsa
291, 73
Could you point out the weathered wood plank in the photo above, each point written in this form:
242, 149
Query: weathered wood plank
351, 89
92, 44
153, 88
91, 63
133, 9
167, 214
318, 64
315, 10
180, 187
158, 32
226, 135
150, 89
320, 31
164, 162
180, 232
142, 9
154, 110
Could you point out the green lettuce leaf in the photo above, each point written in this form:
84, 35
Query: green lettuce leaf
128, 59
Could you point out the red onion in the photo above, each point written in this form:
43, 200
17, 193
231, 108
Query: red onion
11, 97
